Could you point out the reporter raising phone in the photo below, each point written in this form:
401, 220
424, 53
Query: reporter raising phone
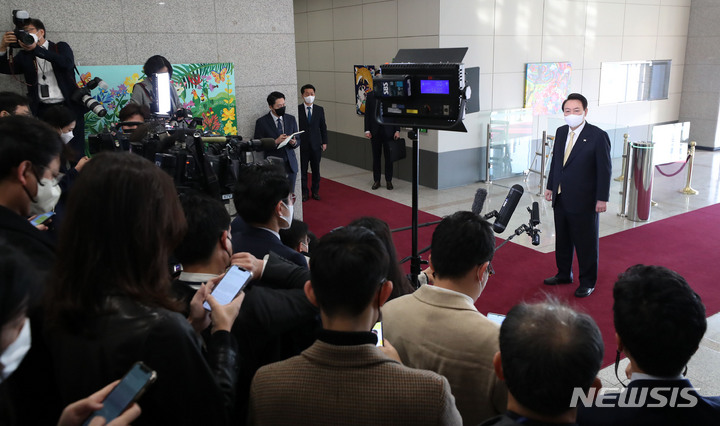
109, 302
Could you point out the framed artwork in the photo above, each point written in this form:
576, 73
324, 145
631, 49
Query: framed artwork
207, 90
546, 86
363, 84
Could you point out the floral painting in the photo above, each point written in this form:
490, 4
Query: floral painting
363, 84
207, 90
546, 86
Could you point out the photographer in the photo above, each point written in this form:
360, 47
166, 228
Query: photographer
144, 93
131, 116
48, 71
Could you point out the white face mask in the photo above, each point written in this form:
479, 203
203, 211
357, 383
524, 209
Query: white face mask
309, 99
14, 354
573, 120
289, 217
47, 196
67, 137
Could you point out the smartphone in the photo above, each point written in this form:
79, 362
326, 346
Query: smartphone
377, 329
129, 390
41, 218
231, 285
498, 318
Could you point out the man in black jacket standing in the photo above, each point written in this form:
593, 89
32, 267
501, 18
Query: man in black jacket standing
48, 70
380, 137
311, 118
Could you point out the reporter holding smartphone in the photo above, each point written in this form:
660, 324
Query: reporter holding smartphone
109, 303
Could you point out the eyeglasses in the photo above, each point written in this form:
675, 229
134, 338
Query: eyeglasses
490, 269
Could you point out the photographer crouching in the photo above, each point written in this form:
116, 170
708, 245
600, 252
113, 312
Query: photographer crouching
47, 68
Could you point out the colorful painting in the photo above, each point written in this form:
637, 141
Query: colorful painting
546, 86
207, 90
363, 84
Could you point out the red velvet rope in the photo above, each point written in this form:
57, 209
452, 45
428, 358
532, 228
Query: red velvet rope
673, 174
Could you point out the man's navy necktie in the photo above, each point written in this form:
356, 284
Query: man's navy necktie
279, 125
309, 114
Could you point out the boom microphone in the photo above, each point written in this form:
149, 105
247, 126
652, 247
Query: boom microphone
508, 208
263, 144
535, 214
479, 201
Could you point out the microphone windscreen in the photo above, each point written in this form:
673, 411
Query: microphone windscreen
508, 208
535, 214
267, 144
479, 201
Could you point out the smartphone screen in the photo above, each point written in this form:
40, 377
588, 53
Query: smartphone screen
377, 329
231, 284
130, 388
496, 317
42, 218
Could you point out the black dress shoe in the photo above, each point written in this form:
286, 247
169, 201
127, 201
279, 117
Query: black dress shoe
555, 281
305, 197
389, 186
376, 185
316, 196
584, 291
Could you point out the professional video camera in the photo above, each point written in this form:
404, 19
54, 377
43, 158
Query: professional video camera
21, 18
83, 96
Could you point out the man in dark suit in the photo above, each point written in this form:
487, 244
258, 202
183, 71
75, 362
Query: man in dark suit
54, 63
278, 125
659, 323
265, 206
380, 137
559, 366
579, 187
312, 121
344, 377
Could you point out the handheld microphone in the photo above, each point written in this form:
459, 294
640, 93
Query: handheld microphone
479, 201
535, 214
508, 208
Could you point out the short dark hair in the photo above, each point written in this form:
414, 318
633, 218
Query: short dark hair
133, 109
259, 188
548, 350
155, 64
347, 268
307, 86
18, 283
207, 219
58, 116
135, 205
659, 318
37, 24
401, 283
460, 242
9, 101
577, 97
25, 138
294, 235
274, 96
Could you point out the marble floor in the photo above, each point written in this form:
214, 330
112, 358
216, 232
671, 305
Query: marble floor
704, 367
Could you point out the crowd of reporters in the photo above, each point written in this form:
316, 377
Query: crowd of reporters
79, 307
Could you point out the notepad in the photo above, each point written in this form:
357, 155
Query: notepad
285, 142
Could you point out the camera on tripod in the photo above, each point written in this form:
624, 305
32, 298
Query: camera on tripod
21, 19
83, 96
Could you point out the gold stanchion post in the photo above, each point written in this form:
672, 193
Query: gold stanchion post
624, 157
688, 189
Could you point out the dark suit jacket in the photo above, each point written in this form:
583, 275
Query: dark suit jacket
260, 242
315, 135
343, 385
36, 245
706, 410
585, 177
61, 58
379, 132
266, 127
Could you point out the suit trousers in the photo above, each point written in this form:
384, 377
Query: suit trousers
381, 147
577, 232
311, 157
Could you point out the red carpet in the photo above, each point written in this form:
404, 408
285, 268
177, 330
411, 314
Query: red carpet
688, 243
